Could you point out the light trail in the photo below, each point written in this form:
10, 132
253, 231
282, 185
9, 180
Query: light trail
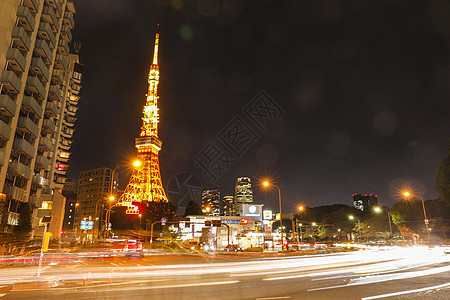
436, 287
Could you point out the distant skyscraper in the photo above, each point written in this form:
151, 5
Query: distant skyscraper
243, 192
365, 201
39, 85
93, 195
229, 206
211, 202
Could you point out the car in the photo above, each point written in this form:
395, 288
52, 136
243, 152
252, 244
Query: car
232, 248
128, 246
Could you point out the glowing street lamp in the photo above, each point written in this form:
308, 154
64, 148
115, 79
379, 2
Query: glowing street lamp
407, 194
266, 184
359, 224
378, 209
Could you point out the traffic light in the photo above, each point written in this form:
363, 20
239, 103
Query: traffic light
244, 222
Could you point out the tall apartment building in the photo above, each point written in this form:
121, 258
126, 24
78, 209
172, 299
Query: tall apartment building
93, 196
211, 202
243, 192
39, 85
229, 206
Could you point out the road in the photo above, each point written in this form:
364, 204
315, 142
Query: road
396, 273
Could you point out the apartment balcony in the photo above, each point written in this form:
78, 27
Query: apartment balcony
31, 105
25, 17
7, 106
70, 120
55, 4
18, 169
63, 47
49, 16
15, 59
26, 125
71, 110
41, 47
22, 146
55, 93
45, 144
51, 109
57, 77
42, 162
61, 62
21, 38
35, 201
49, 126
66, 34
46, 33
33, 5
10, 82
38, 66
16, 193
39, 181
5, 131
36, 86
2, 158
68, 19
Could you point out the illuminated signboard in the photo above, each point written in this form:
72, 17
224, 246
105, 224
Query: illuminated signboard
252, 210
267, 215
87, 225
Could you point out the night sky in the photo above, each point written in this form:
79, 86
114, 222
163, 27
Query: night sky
363, 89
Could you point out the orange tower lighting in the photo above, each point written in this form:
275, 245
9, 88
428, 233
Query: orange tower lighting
145, 184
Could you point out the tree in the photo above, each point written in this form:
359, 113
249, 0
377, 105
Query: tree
23, 229
442, 180
193, 208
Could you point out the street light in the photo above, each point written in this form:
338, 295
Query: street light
378, 209
266, 184
359, 224
140, 219
301, 208
136, 164
407, 194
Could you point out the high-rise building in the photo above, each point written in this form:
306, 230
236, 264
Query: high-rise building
229, 206
365, 201
70, 194
211, 202
243, 192
93, 196
39, 85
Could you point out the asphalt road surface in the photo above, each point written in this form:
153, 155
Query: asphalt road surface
403, 273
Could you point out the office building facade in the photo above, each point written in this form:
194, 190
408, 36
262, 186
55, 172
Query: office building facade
229, 206
211, 202
243, 192
40, 82
93, 197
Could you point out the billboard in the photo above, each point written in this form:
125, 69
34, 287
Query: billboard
252, 210
87, 225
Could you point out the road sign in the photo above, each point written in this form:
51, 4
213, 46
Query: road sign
46, 219
163, 221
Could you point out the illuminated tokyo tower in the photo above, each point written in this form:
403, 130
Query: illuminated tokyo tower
145, 183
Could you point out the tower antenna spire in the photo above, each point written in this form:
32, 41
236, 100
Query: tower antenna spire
155, 50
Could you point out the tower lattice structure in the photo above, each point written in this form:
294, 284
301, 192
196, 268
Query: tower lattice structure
145, 184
